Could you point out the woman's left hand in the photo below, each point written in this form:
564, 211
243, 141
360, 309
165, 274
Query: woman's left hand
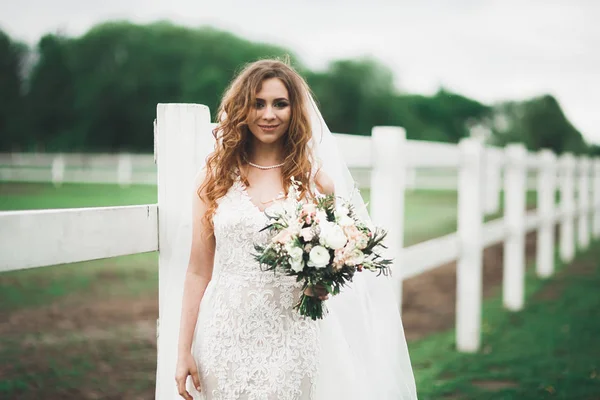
318, 291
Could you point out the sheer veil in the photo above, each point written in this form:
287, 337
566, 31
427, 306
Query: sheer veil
363, 355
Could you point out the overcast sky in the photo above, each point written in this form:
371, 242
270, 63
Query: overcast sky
490, 50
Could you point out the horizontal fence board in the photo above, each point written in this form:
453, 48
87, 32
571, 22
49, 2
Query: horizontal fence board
532, 220
36, 238
356, 150
428, 255
493, 232
421, 153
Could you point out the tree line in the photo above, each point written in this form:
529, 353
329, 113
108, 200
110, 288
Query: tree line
98, 92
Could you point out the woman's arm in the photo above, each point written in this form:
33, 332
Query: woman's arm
198, 275
324, 183
199, 271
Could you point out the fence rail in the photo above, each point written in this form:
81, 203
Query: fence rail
429, 166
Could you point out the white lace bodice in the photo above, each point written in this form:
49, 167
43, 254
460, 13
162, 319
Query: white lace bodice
252, 344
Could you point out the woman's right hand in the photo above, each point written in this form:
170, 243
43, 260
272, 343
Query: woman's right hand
186, 365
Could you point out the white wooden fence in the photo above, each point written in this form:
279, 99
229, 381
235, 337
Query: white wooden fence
127, 169
46, 237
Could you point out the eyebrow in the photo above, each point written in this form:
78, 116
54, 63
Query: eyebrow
277, 99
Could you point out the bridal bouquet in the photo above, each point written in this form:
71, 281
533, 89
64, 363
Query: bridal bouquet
321, 243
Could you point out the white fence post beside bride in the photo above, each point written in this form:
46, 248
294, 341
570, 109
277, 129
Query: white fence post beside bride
183, 136
387, 191
469, 263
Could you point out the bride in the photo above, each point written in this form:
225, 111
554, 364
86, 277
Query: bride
239, 336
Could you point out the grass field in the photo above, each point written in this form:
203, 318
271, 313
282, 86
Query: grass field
87, 330
549, 350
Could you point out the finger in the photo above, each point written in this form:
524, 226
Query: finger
196, 379
181, 389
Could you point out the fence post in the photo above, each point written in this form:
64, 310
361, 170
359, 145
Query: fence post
567, 208
124, 170
513, 285
583, 202
469, 264
546, 186
387, 191
596, 198
182, 132
58, 170
491, 183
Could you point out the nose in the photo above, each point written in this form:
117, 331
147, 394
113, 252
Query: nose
268, 113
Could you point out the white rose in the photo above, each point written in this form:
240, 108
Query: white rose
355, 257
295, 253
296, 261
342, 211
345, 220
334, 237
321, 216
297, 266
318, 257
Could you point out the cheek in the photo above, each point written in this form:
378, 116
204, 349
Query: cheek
286, 116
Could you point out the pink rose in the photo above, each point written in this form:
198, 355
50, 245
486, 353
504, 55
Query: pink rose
351, 232
282, 237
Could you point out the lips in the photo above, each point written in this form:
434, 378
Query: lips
268, 128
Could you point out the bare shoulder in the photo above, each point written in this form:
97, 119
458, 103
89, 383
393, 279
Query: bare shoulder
200, 177
324, 182
198, 191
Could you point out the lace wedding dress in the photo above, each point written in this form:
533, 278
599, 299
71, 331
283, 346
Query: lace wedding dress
250, 343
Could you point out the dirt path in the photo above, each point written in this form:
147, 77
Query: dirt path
430, 298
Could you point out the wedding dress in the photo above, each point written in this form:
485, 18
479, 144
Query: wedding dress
249, 342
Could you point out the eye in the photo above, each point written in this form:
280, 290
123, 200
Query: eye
281, 104
259, 104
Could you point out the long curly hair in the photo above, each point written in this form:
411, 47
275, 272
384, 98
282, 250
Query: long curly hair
233, 137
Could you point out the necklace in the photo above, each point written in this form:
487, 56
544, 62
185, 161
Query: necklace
263, 167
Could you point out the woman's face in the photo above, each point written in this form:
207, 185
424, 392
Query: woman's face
270, 117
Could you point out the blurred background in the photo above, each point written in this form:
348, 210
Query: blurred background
80, 78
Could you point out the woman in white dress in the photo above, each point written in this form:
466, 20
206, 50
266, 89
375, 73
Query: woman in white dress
239, 336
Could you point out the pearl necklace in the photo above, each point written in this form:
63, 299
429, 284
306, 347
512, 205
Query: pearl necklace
262, 167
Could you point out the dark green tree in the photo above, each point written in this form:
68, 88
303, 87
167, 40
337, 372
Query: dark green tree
539, 123
50, 99
13, 133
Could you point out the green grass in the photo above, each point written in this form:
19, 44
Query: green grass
549, 350
127, 276
35, 196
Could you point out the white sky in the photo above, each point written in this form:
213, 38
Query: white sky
490, 50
